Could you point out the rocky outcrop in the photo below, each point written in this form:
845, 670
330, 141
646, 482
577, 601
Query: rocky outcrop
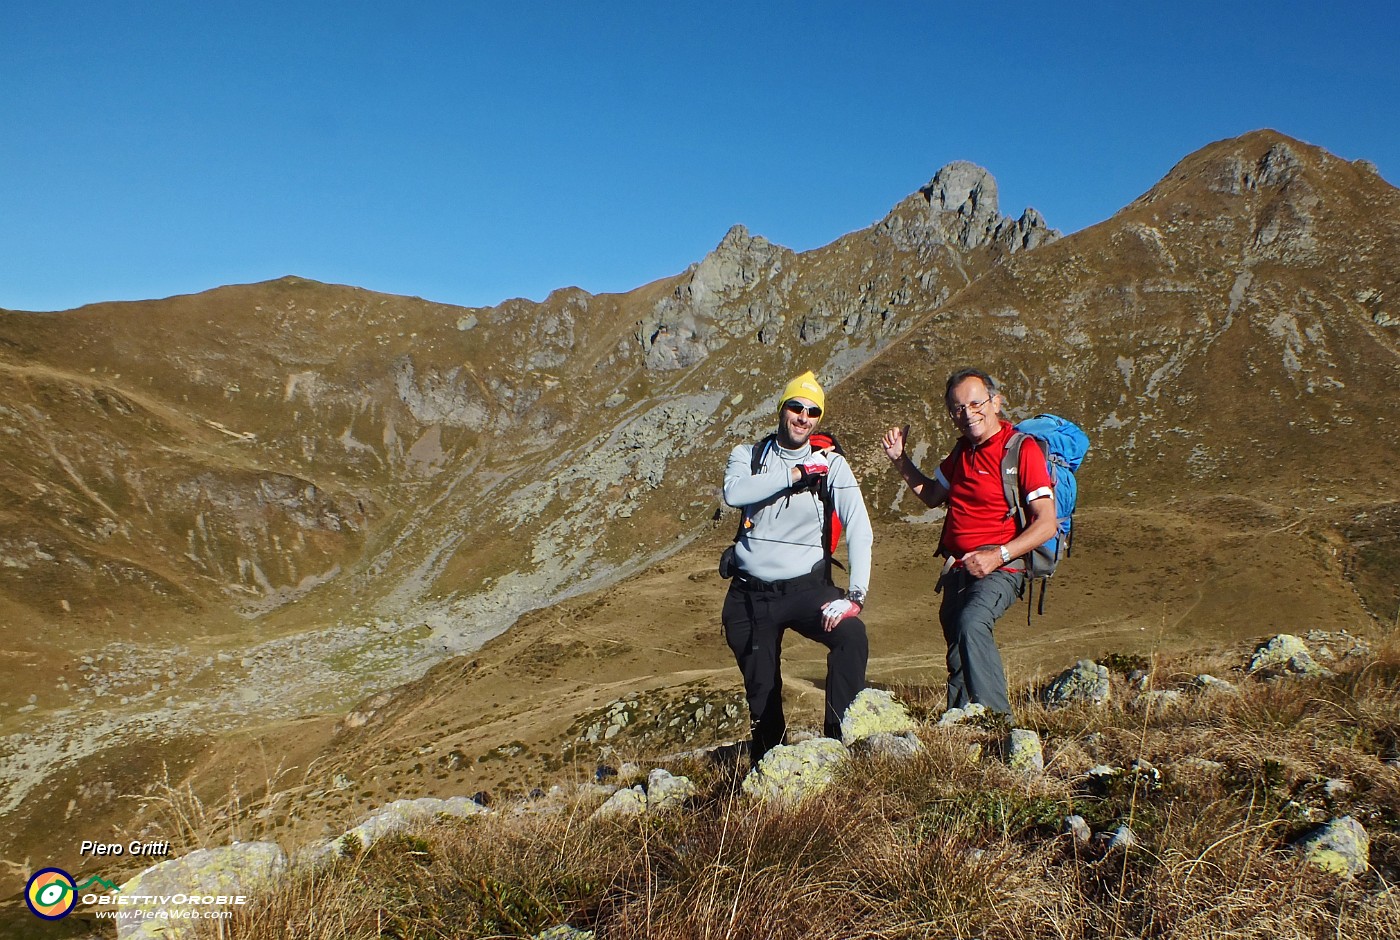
448, 398
1283, 655
1234, 175
737, 289
959, 207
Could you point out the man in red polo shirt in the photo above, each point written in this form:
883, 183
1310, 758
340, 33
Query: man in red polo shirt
985, 552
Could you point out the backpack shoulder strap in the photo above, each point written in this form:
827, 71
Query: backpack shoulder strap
756, 455
1011, 479
760, 448
828, 502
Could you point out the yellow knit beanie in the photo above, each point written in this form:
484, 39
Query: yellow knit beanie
804, 386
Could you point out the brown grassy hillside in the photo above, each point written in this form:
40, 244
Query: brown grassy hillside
230, 516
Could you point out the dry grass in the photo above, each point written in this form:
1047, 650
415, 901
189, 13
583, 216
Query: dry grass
938, 845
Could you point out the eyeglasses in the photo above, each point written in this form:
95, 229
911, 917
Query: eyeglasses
957, 411
797, 408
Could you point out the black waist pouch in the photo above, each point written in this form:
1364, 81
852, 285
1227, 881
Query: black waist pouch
728, 567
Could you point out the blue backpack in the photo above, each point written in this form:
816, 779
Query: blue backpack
1064, 445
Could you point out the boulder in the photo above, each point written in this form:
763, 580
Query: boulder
881, 724
1086, 682
791, 773
892, 745
1284, 655
874, 711
1024, 753
204, 880
631, 801
1341, 846
667, 792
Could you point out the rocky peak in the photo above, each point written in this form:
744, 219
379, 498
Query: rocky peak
738, 262
968, 190
733, 288
959, 207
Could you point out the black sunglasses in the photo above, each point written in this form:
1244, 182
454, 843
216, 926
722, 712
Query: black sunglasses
797, 408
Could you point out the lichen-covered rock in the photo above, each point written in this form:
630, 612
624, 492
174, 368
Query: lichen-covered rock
221, 873
631, 801
393, 817
1023, 751
563, 932
401, 814
877, 723
666, 791
1285, 654
1208, 683
1159, 699
792, 772
892, 745
873, 712
1341, 846
957, 716
1085, 682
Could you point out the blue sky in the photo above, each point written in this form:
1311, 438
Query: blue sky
470, 152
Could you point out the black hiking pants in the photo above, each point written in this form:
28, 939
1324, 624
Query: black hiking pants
756, 614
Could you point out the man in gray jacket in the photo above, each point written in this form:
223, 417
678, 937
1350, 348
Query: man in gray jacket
783, 570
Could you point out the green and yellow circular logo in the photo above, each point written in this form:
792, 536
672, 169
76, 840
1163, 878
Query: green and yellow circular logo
51, 893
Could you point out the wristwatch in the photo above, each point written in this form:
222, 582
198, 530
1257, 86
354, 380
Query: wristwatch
1005, 556
856, 597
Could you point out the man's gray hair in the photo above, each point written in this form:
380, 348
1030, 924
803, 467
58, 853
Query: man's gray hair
962, 375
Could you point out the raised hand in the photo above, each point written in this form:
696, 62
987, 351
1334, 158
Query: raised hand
894, 442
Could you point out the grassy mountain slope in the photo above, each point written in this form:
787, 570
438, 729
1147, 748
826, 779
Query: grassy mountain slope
265, 502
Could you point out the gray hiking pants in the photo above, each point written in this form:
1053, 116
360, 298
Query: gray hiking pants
970, 608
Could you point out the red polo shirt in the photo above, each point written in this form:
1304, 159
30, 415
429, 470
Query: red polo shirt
977, 510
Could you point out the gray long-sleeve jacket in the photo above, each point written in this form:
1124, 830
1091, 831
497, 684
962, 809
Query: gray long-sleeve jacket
785, 540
